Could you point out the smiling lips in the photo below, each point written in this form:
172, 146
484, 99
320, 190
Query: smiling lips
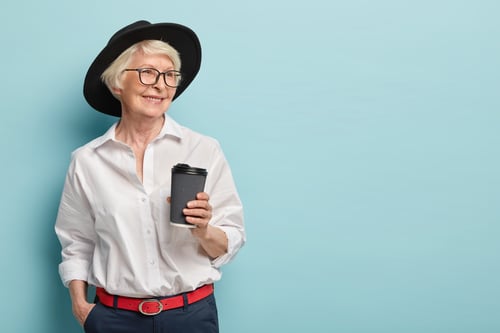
154, 99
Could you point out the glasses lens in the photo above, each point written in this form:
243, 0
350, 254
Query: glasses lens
148, 75
172, 78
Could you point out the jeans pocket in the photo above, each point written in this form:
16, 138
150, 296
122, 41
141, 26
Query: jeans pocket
88, 326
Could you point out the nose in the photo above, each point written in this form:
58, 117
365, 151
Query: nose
160, 81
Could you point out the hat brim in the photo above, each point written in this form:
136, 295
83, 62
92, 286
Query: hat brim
181, 38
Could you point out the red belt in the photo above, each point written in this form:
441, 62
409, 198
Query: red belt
151, 307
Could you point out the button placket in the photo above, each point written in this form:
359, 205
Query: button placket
147, 226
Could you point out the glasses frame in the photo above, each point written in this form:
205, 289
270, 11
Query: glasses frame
140, 70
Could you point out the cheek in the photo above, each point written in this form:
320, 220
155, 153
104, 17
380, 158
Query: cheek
131, 90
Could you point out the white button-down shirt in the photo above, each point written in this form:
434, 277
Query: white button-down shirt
115, 231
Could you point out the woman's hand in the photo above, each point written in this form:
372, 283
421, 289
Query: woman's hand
199, 211
211, 238
82, 311
78, 293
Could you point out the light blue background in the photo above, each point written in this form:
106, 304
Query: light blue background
363, 135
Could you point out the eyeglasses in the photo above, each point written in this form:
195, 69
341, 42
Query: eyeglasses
150, 76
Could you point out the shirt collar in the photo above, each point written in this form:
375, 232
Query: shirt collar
170, 128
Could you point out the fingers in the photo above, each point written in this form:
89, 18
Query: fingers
198, 216
202, 196
199, 211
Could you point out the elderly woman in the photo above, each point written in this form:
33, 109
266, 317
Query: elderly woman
113, 219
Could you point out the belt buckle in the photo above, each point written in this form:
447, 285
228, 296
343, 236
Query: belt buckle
141, 305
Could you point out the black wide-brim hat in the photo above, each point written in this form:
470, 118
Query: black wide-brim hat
180, 37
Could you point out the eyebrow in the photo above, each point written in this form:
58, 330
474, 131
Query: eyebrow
170, 68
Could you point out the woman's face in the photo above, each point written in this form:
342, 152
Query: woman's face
142, 100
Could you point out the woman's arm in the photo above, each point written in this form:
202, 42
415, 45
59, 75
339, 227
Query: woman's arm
78, 294
212, 239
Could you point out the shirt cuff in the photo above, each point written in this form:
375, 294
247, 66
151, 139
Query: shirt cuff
235, 241
75, 269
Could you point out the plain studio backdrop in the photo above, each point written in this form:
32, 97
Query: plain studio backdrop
363, 136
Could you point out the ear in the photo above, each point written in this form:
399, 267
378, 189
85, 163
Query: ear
116, 91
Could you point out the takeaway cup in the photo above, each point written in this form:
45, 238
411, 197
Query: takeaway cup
187, 181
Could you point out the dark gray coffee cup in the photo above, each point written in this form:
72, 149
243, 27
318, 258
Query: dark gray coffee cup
187, 181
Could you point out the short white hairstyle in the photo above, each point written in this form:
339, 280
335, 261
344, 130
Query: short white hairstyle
112, 75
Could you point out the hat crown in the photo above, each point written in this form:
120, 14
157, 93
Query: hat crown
126, 29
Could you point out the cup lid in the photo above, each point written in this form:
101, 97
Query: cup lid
187, 169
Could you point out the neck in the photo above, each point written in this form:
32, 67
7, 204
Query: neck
138, 133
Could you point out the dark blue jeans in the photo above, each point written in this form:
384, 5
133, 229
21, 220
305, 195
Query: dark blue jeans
199, 317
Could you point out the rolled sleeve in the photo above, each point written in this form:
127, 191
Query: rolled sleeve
75, 230
227, 207
235, 240
75, 269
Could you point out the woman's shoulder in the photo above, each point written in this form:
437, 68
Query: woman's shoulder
189, 135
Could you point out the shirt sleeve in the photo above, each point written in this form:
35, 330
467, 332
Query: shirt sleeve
235, 239
75, 229
227, 208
